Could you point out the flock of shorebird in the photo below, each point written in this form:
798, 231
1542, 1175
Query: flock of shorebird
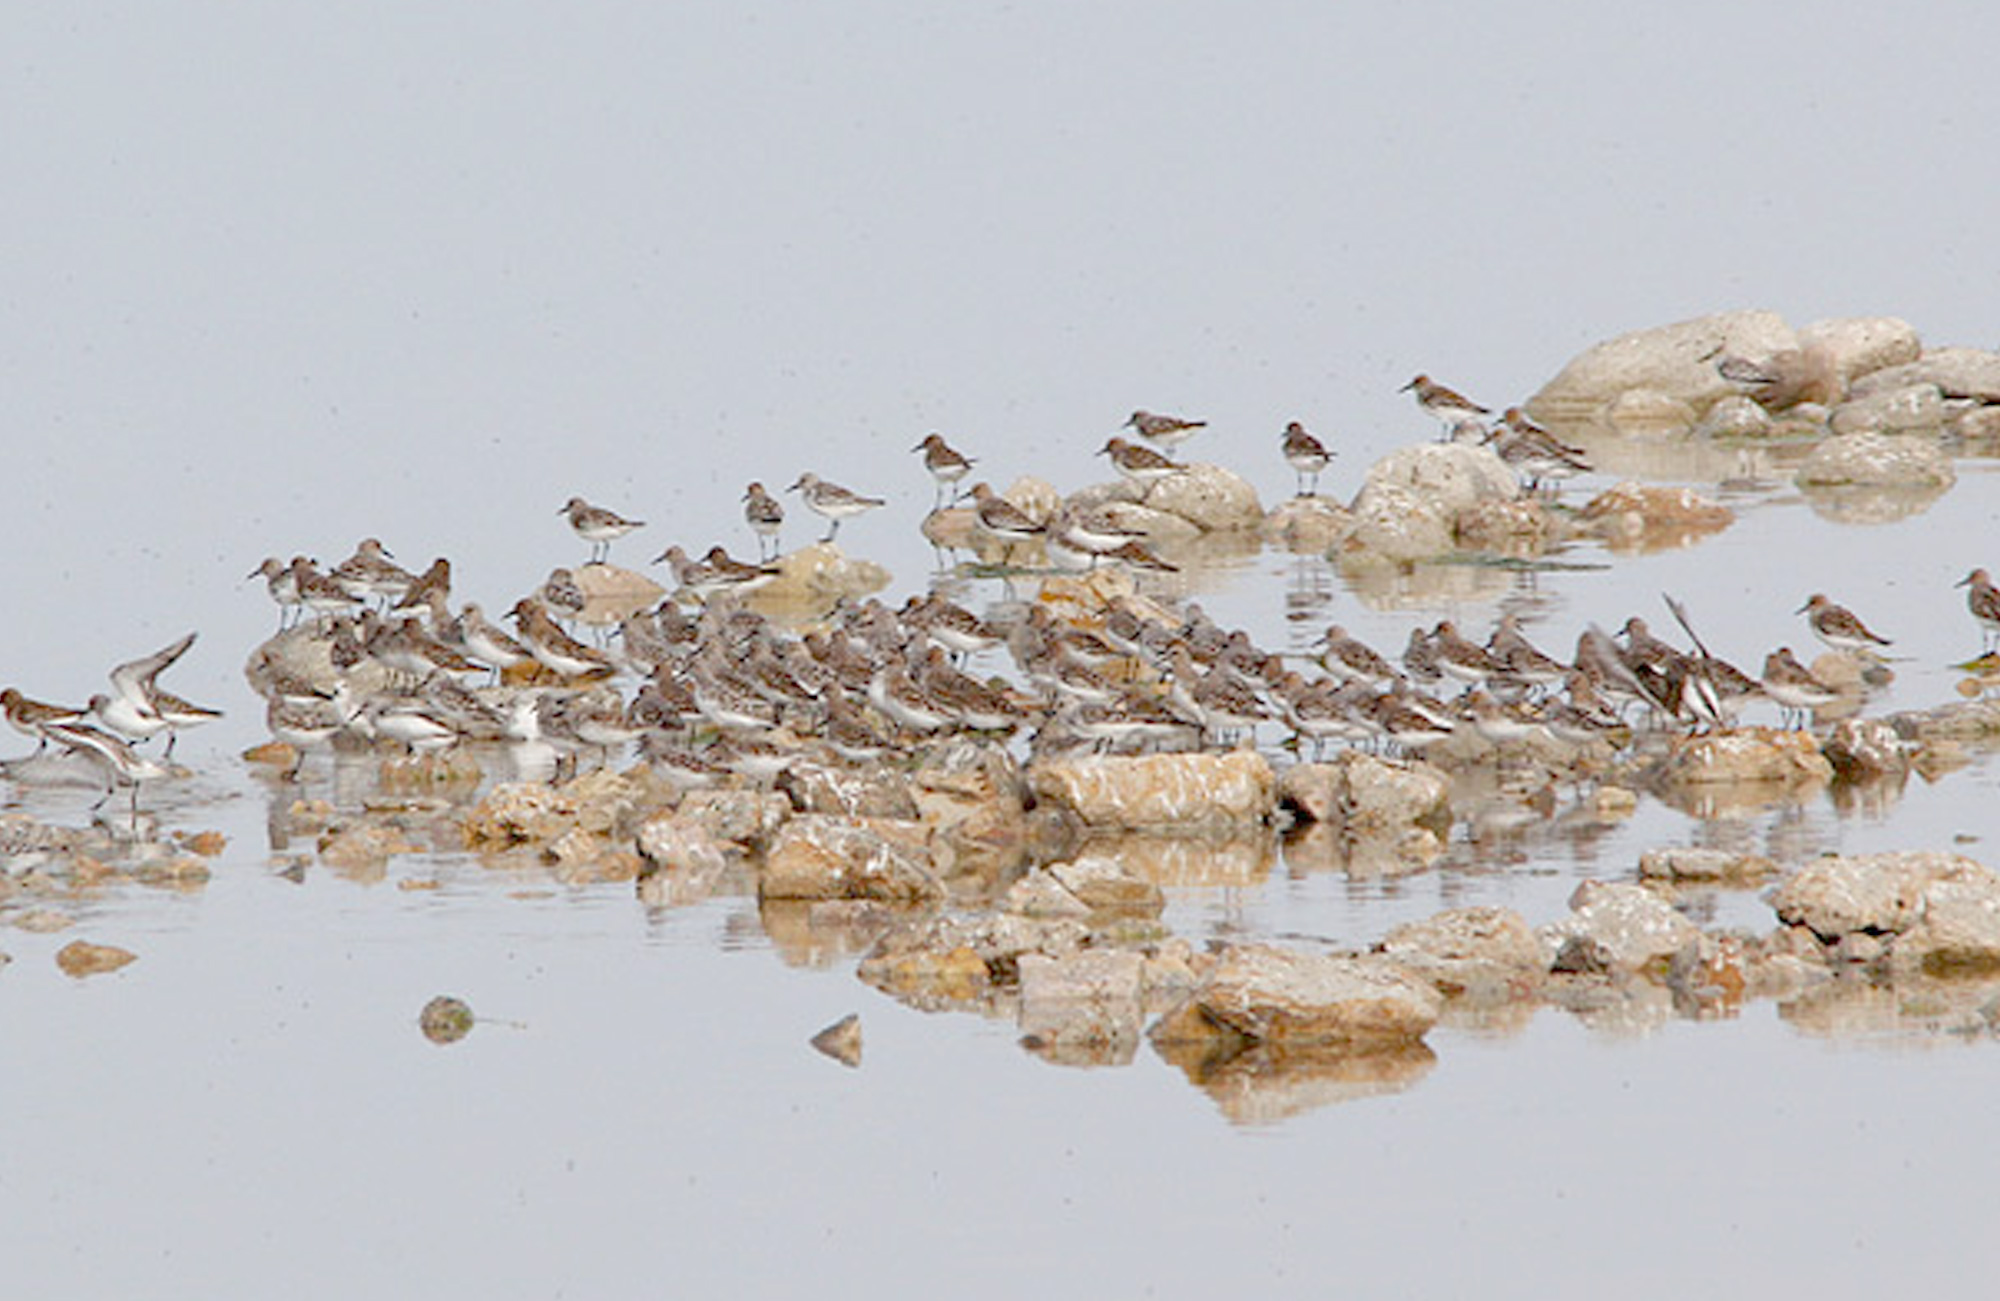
721, 688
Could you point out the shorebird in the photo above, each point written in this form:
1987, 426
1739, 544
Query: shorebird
281, 581
1837, 626
1142, 465
430, 592
1533, 451
1306, 455
122, 765
597, 526
487, 643
765, 515
31, 717
946, 465
372, 572
1983, 599
1169, 431
831, 501
553, 648
1001, 519
319, 593
1449, 408
1793, 687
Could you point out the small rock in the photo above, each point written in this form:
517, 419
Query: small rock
1634, 926
1104, 886
1957, 372
1481, 951
363, 848
1863, 749
675, 844
1366, 793
1682, 863
1090, 998
1209, 497
1919, 407
1651, 516
819, 574
1958, 934
208, 843
1876, 461
819, 856
1394, 526
81, 958
738, 816
1262, 993
841, 1040
874, 792
445, 1020
1747, 754
1736, 416
1159, 791
1308, 525
1520, 528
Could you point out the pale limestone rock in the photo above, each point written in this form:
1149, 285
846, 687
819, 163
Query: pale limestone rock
1085, 999
1284, 997
676, 844
1483, 952
820, 856
1628, 924
611, 593
1705, 866
1037, 498
745, 817
1977, 424
1125, 503
1395, 525
1957, 372
819, 573
1675, 360
1088, 885
1916, 408
1958, 934
973, 797
1876, 460
80, 958
1523, 527
841, 1040
1160, 790
1308, 525
1747, 754
1449, 477
1861, 345
1209, 497
952, 961
1876, 893
1648, 516
1861, 749
1736, 416
1647, 411
872, 792
1367, 793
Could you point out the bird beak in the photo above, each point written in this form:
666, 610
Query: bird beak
1407, 387
1802, 609
1960, 583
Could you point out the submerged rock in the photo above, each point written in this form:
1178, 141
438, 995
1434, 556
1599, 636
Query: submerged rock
1649, 517
1705, 866
1160, 790
1089, 1000
1265, 994
1085, 887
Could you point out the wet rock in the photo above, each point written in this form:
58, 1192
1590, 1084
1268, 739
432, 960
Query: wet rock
1957, 372
1920, 407
973, 797
816, 575
841, 1040
1676, 360
1085, 887
949, 961
42, 921
1129, 508
1207, 858
1481, 952
611, 593
1254, 1084
1876, 461
1646, 411
1363, 853
1708, 975
1977, 424
1447, 477
446, 1020
821, 856
1633, 926
1863, 749
1365, 793
363, 848
1086, 1000
1648, 517
1861, 345
1158, 791
749, 818
1735, 416
1520, 528
1747, 755
680, 845
516, 813
1308, 525
1872, 893
1262, 993
80, 958
1958, 933
1394, 526
1704, 866
874, 792
1211, 498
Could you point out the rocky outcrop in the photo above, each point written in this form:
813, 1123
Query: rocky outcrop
819, 856
1674, 361
1862, 345
1626, 927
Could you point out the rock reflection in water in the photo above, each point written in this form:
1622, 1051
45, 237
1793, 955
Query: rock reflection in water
1268, 1083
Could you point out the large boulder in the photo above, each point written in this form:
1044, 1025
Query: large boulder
1209, 497
1861, 345
1675, 361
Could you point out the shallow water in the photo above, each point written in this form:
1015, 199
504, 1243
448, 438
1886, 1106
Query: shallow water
280, 281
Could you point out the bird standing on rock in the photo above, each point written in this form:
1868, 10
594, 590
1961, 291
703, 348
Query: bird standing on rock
1306, 455
1448, 407
1170, 431
1838, 627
